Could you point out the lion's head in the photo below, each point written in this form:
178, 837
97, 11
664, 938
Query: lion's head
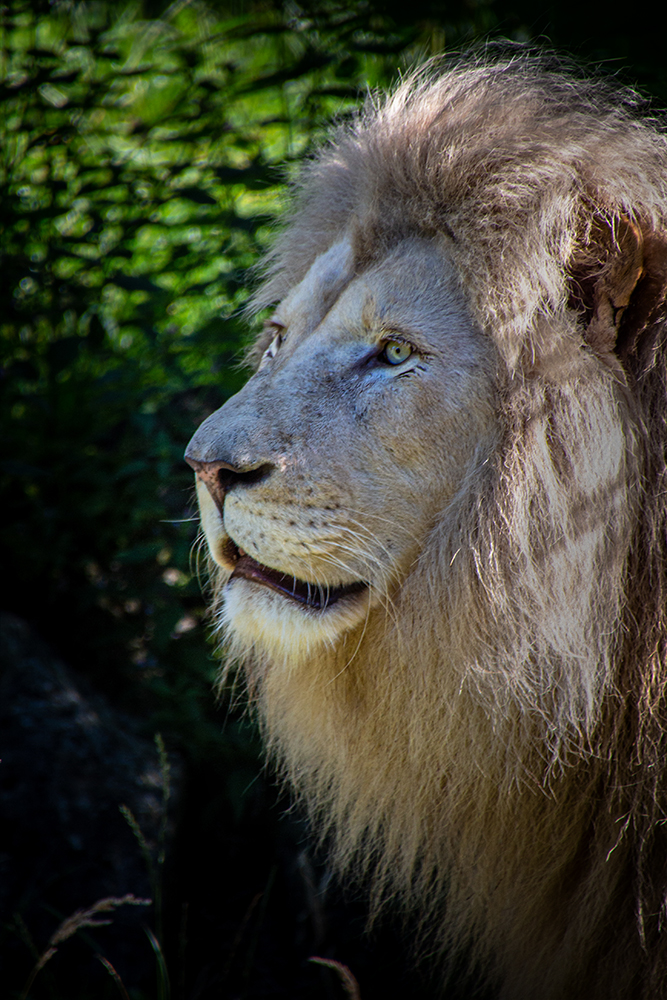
437, 514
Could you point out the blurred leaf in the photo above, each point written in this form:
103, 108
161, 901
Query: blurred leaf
60, 354
199, 196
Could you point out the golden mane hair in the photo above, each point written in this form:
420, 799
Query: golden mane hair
493, 748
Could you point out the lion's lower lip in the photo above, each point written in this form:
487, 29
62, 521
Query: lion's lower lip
310, 594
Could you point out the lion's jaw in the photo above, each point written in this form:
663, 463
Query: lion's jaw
362, 457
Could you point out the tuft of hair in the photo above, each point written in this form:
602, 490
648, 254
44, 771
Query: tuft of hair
498, 739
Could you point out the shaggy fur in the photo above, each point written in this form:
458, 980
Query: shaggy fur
492, 746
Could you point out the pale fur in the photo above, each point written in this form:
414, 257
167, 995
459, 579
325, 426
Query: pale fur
484, 739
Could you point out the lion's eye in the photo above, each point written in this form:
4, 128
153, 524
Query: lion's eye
279, 335
274, 345
395, 352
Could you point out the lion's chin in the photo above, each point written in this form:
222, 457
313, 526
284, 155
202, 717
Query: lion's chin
261, 616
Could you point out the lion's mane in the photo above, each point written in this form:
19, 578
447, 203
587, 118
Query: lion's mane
493, 750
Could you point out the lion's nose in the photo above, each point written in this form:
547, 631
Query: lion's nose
219, 477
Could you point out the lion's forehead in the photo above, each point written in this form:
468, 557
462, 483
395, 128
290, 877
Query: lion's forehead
414, 289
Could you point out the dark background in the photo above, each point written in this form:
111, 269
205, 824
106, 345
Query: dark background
145, 153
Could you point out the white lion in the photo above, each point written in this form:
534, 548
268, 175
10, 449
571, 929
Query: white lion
438, 508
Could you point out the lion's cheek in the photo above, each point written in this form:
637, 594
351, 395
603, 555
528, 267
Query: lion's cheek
430, 425
420, 473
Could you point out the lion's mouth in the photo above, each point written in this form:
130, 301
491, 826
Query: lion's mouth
312, 595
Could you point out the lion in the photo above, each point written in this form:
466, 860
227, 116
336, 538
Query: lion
437, 514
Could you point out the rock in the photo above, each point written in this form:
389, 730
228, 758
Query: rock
68, 762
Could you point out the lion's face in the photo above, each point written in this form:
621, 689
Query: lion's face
321, 480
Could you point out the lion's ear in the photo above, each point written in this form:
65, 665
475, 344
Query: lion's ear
619, 280
648, 300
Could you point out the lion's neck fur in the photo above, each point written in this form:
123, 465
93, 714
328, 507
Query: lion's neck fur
455, 740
